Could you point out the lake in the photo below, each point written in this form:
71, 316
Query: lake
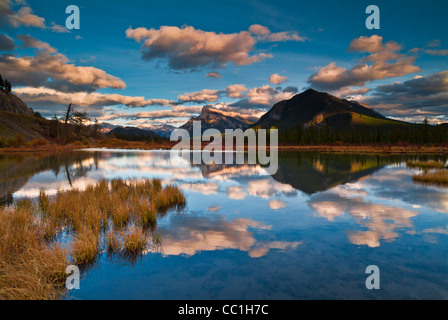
309, 231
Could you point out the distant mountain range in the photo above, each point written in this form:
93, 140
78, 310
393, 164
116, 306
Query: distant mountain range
211, 117
309, 109
163, 130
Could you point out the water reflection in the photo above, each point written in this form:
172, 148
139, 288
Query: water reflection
317, 210
188, 235
17, 170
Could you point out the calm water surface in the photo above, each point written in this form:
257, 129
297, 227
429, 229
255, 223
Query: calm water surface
307, 232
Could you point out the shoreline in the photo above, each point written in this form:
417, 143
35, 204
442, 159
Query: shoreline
360, 149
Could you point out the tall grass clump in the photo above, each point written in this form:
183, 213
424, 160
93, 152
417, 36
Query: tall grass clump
85, 246
30, 268
134, 240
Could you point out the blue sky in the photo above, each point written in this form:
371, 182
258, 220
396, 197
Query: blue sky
303, 41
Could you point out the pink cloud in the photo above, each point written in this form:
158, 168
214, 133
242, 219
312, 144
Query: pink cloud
277, 79
190, 48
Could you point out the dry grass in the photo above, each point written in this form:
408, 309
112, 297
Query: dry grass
85, 247
113, 241
426, 164
124, 214
30, 268
437, 177
135, 240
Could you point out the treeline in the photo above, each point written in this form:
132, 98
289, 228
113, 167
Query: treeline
140, 137
5, 84
420, 134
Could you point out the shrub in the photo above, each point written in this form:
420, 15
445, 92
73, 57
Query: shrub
39, 142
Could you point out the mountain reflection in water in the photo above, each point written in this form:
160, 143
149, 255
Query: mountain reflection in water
316, 208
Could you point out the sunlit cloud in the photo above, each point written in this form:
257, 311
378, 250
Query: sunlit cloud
191, 48
383, 61
277, 79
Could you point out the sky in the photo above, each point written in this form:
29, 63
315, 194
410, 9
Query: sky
143, 63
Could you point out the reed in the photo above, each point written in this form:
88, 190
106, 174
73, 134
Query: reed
30, 268
113, 241
425, 164
85, 246
437, 177
135, 240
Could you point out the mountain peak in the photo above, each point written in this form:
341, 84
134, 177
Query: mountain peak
309, 91
214, 117
316, 108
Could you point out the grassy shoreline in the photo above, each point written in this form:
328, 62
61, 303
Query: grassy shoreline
361, 149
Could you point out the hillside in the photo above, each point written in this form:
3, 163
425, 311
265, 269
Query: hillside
20, 125
9, 102
211, 117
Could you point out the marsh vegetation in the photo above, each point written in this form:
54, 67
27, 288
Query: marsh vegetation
39, 240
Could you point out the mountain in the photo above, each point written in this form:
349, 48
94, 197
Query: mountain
131, 133
162, 130
316, 108
11, 103
212, 117
107, 127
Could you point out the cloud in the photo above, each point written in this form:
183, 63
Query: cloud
351, 93
24, 16
291, 89
276, 204
236, 193
204, 95
422, 86
236, 90
213, 208
213, 74
383, 62
437, 52
58, 28
45, 96
413, 97
434, 43
48, 66
216, 233
204, 188
277, 79
6, 43
265, 96
263, 34
381, 221
189, 48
